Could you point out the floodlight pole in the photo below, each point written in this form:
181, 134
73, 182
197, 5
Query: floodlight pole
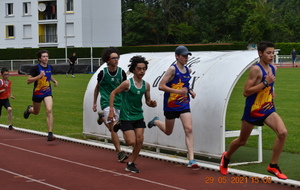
91, 8
66, 41
128, 10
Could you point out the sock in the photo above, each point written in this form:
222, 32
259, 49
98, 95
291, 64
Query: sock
226, 162
273, 165
129, 163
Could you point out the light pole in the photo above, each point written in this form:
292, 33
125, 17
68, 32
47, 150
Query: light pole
66, 45
128, 10
91, 49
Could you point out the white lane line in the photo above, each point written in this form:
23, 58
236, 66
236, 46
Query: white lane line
29, 179
93, 167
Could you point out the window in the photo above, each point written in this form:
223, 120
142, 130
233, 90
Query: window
70, 29
9, 9
70, 5
27, 31
26, 8
10, 33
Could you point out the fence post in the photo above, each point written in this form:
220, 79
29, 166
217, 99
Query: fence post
11, 65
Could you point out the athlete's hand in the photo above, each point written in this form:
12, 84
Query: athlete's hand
95, 107
270, 78
152, 103
183, 91
42, 74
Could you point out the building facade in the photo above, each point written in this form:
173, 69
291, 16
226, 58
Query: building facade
60, 23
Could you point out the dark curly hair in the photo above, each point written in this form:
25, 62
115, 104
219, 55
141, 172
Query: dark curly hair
106, 53
135, 60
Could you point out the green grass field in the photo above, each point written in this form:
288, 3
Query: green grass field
68, 115
67, 107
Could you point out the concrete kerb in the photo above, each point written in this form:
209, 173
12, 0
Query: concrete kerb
165, 157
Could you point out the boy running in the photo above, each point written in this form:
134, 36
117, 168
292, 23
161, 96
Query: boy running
41, 76
108, 79
175, 84
5, 93
260, 109
131, 114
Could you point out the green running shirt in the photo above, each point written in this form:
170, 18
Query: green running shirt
131, 107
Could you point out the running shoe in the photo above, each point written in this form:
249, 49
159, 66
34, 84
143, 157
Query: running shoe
122, 156
10, 127
100, 116
27, 113
117, 126
276, 171
224, 164
51, 138
151, 123
192, 164
131, 168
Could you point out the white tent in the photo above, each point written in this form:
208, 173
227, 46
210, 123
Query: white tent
214, 76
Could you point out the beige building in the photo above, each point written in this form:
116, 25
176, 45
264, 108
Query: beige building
60, 23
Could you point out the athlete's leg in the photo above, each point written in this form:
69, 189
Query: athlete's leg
167, 126
186, 120
246, 130
275, 122
35, 109
9, 116
48, 105
135, 138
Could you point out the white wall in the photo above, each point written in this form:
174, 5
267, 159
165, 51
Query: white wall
213, 78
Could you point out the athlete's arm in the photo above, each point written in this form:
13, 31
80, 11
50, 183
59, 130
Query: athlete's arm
168, 77
122, 87
149, 102
96, 92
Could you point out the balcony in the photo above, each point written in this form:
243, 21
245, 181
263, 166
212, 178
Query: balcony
47, 38
47, 11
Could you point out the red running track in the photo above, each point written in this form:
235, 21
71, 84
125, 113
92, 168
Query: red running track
28, 161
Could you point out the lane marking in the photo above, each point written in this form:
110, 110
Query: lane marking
93, 167
29, 179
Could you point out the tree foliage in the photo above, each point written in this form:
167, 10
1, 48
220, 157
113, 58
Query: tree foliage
206, 21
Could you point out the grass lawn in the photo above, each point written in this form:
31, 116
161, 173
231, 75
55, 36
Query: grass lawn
68, 115
67, 105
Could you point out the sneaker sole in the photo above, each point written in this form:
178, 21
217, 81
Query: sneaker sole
128, 170
52, 139
193, 166
277, 175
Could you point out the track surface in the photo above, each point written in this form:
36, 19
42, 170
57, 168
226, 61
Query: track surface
28, 161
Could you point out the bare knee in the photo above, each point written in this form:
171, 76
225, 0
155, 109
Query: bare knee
282, 134
130, 142
168, 133
188, 130
9, 109
140, 140
241, 142
49, 111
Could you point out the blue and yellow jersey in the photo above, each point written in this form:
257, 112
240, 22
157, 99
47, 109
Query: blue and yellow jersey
177, 102
260, 104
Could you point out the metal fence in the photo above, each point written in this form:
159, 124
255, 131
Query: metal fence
14, 65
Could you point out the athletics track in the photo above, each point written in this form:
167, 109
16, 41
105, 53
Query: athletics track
28, 161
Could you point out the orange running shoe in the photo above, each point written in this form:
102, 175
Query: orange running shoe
276, 171
224, 164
